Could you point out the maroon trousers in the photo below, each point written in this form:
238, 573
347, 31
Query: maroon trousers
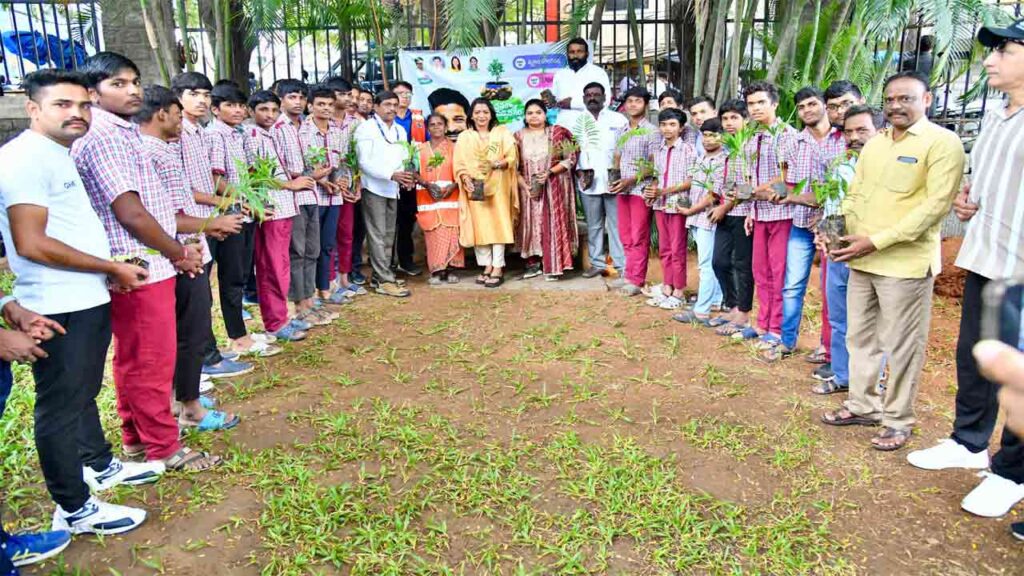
672, 248
635, 233
273, 272
770, 242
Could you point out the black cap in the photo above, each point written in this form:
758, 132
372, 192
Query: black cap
991, 37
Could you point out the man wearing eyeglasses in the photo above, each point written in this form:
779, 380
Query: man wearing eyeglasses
902, 189
992, 250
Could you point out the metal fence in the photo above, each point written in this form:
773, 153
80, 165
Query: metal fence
39, 34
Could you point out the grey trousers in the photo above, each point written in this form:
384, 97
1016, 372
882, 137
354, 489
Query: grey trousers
602, 214
303, 252
381, 215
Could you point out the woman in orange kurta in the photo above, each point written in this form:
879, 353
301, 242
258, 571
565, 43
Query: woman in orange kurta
437, 203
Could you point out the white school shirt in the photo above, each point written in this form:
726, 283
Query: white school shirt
381, 154
40, 172
569, 84
609, 124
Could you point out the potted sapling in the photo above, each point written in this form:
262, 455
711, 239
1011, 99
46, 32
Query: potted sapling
347, 172
315, 158
702, 175
615, 172
588, 135
737, 155
254, 185
484, 169
137, 259
779, 189
829, 194
438, 189
646, 175
555, 153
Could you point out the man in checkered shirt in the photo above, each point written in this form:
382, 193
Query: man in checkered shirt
634, 212
770, 222
126, 192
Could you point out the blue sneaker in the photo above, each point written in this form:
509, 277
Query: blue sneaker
289, 333
228, 355
340, 296
228, 369
25, 549
246, 301
300, 324
246, 315
357, 277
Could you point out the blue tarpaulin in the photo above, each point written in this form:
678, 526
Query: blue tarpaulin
43, 50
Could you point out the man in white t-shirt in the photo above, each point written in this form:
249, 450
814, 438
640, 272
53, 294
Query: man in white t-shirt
59, 252
567, 85
596, 140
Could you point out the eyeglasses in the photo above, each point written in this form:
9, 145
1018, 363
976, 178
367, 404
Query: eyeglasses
839, 106
403, 94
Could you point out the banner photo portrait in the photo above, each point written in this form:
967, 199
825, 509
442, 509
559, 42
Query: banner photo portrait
508, 76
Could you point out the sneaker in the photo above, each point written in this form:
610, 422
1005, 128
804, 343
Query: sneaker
289, 333
670, 303
656, 300
410, 269
824, 373
261, 350
355, 290
629, 289
128, 473
592, 273
1017, 529
394, 290
948, 454
263, 337
25, 549
994, 497
205, 384
228, 369
357, 277
246, 315
98, 517
228, 354
300, 325
531, 272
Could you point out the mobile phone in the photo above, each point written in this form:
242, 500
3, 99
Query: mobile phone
1002, 302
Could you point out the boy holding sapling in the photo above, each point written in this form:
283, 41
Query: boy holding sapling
670, 183
636, 141
233, 254
707, 186
160, 124
733, 248
273, 234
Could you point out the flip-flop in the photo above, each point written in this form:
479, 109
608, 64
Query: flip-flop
495, 281
747, 333
213, 421
899, 436
716, 322
829, 387
834, 419
689, 317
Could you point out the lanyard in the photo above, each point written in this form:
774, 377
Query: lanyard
381, 128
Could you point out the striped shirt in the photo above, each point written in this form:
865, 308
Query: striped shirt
832, 147
227, 146
673, 163
195, 156
286, 138
335, 141
710, 170
166, 158
765, 152
806, 164
729, 176
992, 245
260, 144
112, 161
636, 148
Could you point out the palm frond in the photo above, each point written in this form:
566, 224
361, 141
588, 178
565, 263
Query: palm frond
571, 28
464, 19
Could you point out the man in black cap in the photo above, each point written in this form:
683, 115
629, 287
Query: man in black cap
993, 249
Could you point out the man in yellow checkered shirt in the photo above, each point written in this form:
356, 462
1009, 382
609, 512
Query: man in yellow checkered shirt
906, 179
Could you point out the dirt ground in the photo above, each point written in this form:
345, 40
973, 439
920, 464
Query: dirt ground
480, 431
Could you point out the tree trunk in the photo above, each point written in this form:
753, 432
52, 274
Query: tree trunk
634, 32
853, 48
158, 18
785, 40
838, 22
732, 64
809, 59
595, 24
713, 59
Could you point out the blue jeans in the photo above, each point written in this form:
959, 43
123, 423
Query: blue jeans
328, 242
602, 213
6, 381
799, 257
709, 293
835, 290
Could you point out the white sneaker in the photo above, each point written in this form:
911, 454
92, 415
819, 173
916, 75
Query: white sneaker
670, 303
263, 337
98, 517
656, 300
948, 454
993, 497
205, 384
130, 473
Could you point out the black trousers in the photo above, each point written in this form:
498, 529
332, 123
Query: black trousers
192, 312
977, 404
406, 221
358, 235
67, 422
732, 262
233, 256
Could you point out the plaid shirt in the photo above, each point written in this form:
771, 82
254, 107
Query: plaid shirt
227, 146
832, 147
674, 164
335, 141
716, 164
260, 144
166, 158
286, 139
805, 165
729, 181
766, 151
112, 161
636, 148
195, 155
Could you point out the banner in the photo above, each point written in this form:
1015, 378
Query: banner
508, 76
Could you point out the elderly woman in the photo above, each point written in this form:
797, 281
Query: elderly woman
547, 235
485, 168
437, 203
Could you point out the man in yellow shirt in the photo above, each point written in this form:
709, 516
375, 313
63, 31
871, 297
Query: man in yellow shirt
904, 186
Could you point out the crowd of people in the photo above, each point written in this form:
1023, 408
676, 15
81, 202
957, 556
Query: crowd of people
118, 201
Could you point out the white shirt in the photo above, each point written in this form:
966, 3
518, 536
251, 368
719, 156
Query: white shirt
40, 172
569, 84
381, 154
595, 156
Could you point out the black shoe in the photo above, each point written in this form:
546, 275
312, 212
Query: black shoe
410, 269
592, 273
531, 272
824, 373
1017, 529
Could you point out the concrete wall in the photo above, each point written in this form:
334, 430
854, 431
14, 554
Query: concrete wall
12, 116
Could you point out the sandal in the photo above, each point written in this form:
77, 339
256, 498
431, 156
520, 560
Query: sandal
495, 281
829, 387
716, 322
189, 460
746, 333
844, 417
776, 352
213, 421
816, 357
890, 439
729, 329
133, 452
